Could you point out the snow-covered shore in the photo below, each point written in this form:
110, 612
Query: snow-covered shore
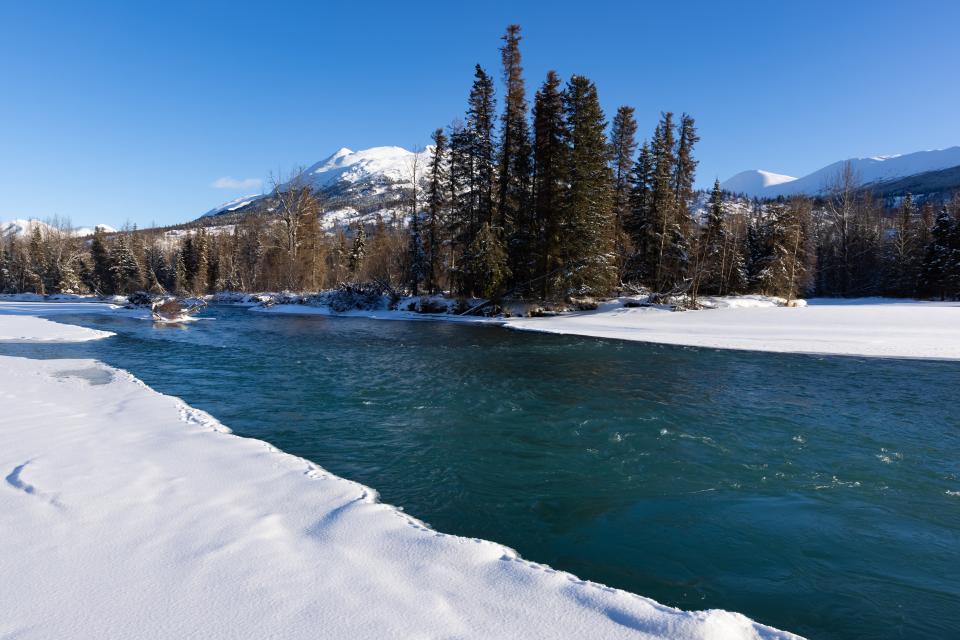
867, 327
127, 514
873, 327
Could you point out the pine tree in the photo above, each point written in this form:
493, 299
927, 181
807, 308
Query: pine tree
358, 252
663, 201
480, 123
37, 266
587, 231
516, 219
940, 261
200, 283
416, 256
181, 279
640, 223
551, 178
102, 274
123, 264
437, 194
901, 271
623, 146
710, 274
485, 264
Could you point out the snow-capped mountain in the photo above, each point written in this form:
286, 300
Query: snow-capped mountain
353, 185
754, 181
378, 165
869, 171
22, 227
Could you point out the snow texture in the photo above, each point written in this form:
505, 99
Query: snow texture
763, 184
127, 514
865, 327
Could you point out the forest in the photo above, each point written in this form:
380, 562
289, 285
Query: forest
543, 203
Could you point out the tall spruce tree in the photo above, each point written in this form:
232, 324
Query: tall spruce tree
941, 260
515, 182
437, 194
711, 268
480, 126
639, 222
663, 205
623, 146
551, 179
587, 230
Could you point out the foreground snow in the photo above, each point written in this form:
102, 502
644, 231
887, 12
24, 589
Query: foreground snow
872, 327
127, 514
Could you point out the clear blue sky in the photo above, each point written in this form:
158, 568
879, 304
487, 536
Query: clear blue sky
131, 111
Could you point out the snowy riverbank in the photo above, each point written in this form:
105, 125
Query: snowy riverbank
866, 327
875, 327
128, 514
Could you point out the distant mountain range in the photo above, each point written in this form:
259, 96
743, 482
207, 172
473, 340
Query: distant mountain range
22, 227
923, 173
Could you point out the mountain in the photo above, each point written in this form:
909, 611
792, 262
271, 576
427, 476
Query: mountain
875, 172
754, 181
22, 227
352, 185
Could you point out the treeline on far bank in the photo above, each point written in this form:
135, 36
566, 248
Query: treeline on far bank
541, 203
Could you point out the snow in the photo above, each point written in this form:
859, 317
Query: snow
754, 181
391, 164
869, 327
868, 170
232, 205
28, 329
128, 514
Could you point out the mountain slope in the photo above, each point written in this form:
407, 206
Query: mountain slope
22, 227
869, 171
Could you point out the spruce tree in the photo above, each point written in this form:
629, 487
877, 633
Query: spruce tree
480, 125
712, 267
663, 203
102, 274
200, 283
485, 264
181, 280
640, 223
551, 178
901, 252
123, 263
623, 146
358, 252
587, 230
516, 164
437, 194
940, 261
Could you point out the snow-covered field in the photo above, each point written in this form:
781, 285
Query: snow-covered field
867, 327
127, 514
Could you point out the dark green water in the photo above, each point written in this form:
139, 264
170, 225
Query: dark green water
810, 493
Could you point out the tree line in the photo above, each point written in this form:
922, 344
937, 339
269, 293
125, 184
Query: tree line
544, 202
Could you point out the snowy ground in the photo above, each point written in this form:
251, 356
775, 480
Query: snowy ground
866, 327
126, 514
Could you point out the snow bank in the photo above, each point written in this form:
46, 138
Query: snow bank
898, 329
26, 329
127, 514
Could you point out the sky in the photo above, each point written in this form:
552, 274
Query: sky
153, 113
